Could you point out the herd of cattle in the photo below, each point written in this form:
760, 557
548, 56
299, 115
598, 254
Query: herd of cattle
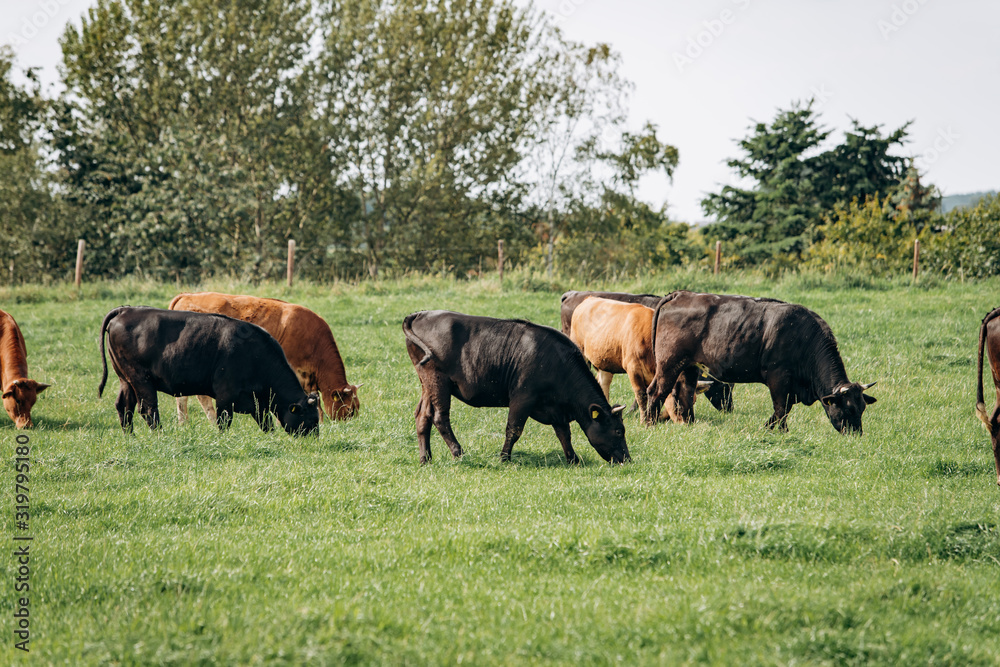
268, 358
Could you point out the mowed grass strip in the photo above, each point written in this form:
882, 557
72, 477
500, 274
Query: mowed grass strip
722, 542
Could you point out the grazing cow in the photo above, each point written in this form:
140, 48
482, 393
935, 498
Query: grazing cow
615, 337
535, 371
182, 354
785, 346
303, 335
989, 333
719, 394
19, 392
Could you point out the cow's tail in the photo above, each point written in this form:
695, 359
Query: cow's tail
656, 318
980, 400
104, 327
413, 338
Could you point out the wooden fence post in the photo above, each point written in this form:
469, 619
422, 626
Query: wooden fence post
718, 256
80, 245
291, 260
916, 258
500, 260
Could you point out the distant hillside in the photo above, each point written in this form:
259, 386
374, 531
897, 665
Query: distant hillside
958, 201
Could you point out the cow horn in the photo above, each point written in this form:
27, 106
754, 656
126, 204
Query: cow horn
869, 385
843, 390
616, 409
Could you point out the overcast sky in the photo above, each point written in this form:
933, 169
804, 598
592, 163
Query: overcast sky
703, 70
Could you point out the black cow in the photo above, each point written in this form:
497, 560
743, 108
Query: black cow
535, 371
194, 354
785, 346
719, 394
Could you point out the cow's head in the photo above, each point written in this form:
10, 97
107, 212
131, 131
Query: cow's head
344, 402
18, 399
845, 406
301, 417
606, 432
992, 423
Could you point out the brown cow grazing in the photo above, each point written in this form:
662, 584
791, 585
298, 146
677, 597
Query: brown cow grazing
616, 337
19, 392
303, 335
989, 333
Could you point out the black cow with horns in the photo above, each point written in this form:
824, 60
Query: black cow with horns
785, 346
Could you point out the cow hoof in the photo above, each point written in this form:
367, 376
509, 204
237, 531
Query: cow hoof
575, 461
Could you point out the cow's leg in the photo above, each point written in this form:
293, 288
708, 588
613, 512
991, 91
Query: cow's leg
781, 399
225, 409
442, 420
663, 382
209, 408
639, 385
424, 417
125, 404
720, 395
604, 379
182, 409
994, 427
563, 433
683, 394
996, 456
516, 419
149, 407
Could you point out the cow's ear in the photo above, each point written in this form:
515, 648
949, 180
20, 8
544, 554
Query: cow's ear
595, 411
829, 400
869, 399
8, 394
42, 387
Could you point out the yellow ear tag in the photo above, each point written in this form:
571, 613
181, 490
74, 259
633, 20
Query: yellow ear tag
595, 414
294, 409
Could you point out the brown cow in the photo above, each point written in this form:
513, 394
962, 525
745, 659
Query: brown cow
303, 335
19, 392
989, 332
616, 337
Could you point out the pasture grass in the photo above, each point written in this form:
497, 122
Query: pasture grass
721, 542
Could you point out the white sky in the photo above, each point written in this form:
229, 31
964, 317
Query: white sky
880, 61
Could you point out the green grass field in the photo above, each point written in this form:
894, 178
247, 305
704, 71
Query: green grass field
720, 543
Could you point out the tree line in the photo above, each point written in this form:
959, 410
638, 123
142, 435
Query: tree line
194, 138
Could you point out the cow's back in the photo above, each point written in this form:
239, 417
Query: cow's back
487, 359
610, 333
571, 300
13, 353
742, 339
268, 314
